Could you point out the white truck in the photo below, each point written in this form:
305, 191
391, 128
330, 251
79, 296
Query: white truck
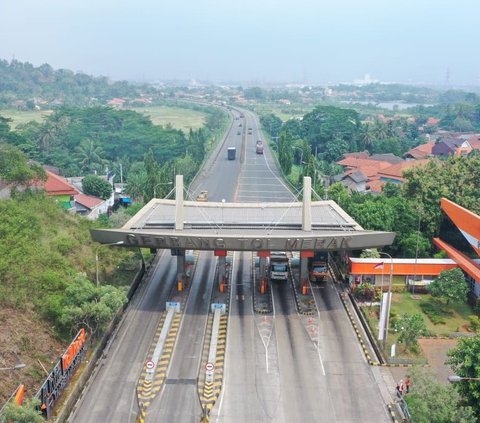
278, 266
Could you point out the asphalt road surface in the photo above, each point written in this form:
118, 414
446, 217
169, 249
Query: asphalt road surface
110, 395
179, 401
251, 177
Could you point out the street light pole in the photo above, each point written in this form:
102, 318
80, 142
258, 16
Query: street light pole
389, 299
16, 367
96, 257
157, 185
455, 378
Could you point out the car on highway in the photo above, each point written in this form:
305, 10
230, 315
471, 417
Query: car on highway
203, 196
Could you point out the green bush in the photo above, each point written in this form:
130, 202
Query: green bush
435, 312
364, 292
474, 323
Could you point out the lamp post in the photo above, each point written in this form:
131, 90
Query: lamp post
455, 378
223, 203
157, 185
416, 252
389, 298
96, 257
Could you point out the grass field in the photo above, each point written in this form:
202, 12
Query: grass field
179, 118
455, 318
20, 116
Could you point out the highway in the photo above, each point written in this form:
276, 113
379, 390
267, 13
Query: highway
279, 367
110, 394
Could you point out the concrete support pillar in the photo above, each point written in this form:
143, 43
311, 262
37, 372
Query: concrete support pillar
179, 213
180, 269
262, 266
303, 269
222, 260
307, 204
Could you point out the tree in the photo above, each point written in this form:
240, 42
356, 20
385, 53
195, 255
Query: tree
26, 413
431, 401
370, 253
15, 168
410, 326
94, 185
86, 305
272, 124
285, 154
450, 286
152, 169
464, 360
89, 156
137, 185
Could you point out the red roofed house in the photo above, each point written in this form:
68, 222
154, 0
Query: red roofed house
58, 187
420, 151
431, 121
474, 142
360, 172
90, 207
394, 173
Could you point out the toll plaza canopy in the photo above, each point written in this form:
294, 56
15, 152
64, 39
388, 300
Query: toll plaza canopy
297, 226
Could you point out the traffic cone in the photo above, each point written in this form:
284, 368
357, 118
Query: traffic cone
180, 285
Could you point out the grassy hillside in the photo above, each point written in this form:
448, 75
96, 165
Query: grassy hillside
43, 252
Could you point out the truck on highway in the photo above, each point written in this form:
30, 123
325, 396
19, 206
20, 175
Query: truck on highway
259, 147
231, 152
278, 266
318, 267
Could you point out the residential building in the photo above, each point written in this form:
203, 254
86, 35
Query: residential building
394, 173
450, 146
422, 151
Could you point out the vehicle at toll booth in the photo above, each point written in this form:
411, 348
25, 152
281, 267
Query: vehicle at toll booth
278, 266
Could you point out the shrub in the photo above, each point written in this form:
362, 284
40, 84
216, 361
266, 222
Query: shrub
364, 292
474, 323
435, 312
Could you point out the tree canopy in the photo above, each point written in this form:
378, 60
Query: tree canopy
464, 360
431, 401
99, 187
450, 285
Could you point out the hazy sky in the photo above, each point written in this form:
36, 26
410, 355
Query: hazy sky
314, 41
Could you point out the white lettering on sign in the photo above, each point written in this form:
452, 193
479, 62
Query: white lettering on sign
238, 244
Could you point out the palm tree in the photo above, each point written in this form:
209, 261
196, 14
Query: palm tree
89, 156
367, 136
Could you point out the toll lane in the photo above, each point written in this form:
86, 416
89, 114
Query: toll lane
250, 391
353, 391
110, 393
178, 401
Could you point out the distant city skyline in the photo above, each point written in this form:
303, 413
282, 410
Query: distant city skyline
269, 42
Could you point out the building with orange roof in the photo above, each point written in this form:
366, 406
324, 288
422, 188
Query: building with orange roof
474, 142
90, 206
58, 187
394, 173
420, 151
353, 162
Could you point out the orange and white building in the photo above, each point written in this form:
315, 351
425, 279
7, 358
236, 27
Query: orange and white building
469, 225
377, 270
423, 271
